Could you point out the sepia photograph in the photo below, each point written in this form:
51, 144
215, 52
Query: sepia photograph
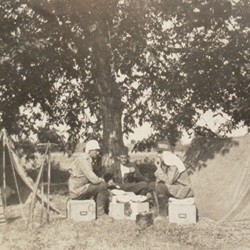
125, 124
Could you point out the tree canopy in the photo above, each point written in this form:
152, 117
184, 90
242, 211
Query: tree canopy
123, 61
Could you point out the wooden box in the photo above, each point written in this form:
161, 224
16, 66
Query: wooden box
81, 210
137, 208
127, 210
182, 211
117, 210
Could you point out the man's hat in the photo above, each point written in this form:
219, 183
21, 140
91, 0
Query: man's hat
91, 145
123, 151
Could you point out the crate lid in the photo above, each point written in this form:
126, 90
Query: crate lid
187, 201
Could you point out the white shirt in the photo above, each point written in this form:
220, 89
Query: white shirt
124, 170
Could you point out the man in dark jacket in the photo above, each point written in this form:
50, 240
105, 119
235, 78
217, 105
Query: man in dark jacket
126, 175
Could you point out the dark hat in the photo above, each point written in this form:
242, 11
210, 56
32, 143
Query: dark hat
123, 151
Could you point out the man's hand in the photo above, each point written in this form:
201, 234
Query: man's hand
111, 183
131, 169
158, 162
102, 179
107, 177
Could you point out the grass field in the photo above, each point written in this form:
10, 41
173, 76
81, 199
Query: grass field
65, 234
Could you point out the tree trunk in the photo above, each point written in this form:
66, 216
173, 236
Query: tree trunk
108, 89
112, 127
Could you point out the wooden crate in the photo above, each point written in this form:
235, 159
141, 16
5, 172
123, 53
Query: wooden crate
182, 212
81, 210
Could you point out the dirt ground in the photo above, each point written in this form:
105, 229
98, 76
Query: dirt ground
65, 234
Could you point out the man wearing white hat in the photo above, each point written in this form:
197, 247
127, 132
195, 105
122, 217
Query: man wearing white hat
172, 179
85, 184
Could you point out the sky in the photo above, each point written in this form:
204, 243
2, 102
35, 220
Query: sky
208, 119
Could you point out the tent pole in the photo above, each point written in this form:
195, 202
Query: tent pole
4, 174
36, 187
49, 178
2, 215
42, 192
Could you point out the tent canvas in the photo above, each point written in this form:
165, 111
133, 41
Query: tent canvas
220, 175
16, 176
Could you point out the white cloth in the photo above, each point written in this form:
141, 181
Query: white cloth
124, 170
123, 197
170, 158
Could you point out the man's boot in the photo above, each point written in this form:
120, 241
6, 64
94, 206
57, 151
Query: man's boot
102, 216
155, 203
162, 205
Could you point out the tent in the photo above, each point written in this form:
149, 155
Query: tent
220, 175
16, 186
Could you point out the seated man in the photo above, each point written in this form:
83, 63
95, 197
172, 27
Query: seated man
126, 176
172, 179
85, 184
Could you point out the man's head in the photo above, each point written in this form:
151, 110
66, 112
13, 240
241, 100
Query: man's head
123, 155
92, 148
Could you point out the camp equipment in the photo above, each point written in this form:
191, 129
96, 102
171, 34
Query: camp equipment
13, 176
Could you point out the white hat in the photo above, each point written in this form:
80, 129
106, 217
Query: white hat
91, 145
170, 158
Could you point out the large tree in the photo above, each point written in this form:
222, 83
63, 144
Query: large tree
123, 61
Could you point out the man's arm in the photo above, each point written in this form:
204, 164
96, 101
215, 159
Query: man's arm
161, 176
88, 172
109, 173
173, 174
138, 175
109, 177
159, 173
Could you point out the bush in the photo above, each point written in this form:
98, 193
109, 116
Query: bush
59, 177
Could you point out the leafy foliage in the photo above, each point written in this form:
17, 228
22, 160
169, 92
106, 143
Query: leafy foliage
58, 175
25, 148
163, 62
46, 135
